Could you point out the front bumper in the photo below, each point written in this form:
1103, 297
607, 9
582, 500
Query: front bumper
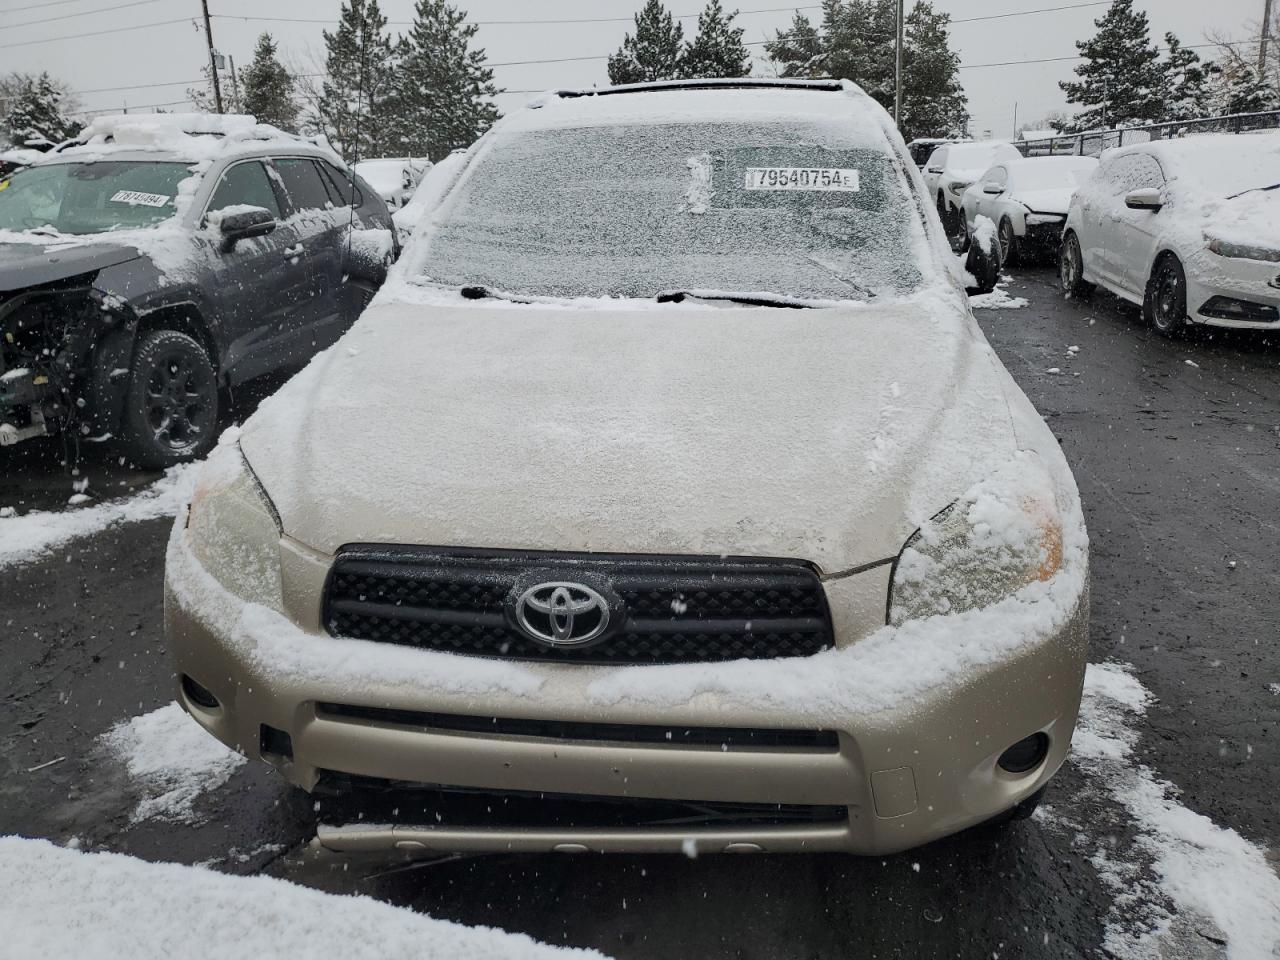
907, 775
1252, 281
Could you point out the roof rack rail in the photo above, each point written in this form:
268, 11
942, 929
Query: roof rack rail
735, 83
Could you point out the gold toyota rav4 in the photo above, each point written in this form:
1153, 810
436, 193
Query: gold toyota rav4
668, 497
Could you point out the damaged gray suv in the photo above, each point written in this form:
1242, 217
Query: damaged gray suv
156, 262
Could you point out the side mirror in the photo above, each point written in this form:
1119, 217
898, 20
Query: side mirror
983, 260
994, 189
1148, 198
933, 170
243, 224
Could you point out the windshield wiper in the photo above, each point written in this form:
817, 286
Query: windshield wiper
1274, 186
477, 291
749, 299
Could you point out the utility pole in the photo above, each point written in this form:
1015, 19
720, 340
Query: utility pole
235, 85
1015, 119
213, 66
897, 71
1266, 35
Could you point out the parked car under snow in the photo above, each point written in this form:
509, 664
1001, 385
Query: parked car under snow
395, 178
707, 519
953, 167
1027, 200
158, 261
1189, 229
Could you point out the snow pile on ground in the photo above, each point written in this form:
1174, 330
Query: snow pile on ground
57, 903
1182, 863
997, 299
173, 761
31, 535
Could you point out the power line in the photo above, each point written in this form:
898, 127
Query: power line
94, 33
82, 13
1025, 13
40, 6
501, 23
139, 106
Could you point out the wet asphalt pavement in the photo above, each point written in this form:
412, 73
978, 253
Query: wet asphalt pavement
1179, 469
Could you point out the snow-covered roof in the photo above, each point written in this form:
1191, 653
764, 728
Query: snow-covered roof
1221, 159
189, 136
694, 101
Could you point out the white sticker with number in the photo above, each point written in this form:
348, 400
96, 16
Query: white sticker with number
140, 199
802, 178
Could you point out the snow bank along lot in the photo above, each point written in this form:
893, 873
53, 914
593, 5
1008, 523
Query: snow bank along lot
57, 903
31, 535
1182, 865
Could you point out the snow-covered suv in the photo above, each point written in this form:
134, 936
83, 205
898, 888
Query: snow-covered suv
667, 497
155, 262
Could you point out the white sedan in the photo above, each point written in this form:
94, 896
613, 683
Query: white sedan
1027, 200
1189, 229
952, 168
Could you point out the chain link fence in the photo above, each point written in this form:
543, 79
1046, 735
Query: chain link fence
1092, 144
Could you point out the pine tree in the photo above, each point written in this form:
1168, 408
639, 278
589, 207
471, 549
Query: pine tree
1234, 86
717, 50
268, 87
445, 90
1186, 77
35, 116
857, 42
654, 53
798, 51
359, 90
1122, 81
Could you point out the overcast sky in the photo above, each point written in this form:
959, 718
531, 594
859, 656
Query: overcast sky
153, 42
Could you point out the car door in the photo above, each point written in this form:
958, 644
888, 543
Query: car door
263, 286
321, 225
1110, 219
1093, 204
1136, 231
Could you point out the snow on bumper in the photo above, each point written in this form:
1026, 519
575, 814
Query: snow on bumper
922, 713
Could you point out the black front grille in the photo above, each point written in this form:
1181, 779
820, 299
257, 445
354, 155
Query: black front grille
668, 609
717, 738
345, 798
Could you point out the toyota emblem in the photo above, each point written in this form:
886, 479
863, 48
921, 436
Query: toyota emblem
562, 614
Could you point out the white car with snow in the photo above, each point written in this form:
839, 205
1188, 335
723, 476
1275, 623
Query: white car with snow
667, 498
1189, 229
395, 178
1027, 200
954, 167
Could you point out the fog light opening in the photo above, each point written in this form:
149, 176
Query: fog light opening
198, 694
275, 744
1026, 754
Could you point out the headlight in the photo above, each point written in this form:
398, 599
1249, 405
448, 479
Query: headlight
1243, 251
1039, 219
234, 530
983, 548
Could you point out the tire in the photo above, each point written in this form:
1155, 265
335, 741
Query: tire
1071, 269
1165, 305
962, 231
171, 406
1009, 252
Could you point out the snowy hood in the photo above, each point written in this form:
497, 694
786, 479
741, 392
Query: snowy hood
824, 434
1250, 218
1046, 201
30, 264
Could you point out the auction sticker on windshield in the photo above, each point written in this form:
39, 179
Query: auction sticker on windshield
140, 199
801, 178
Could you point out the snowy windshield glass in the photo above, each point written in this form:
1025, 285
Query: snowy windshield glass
1224, 168
785, 208
80, 198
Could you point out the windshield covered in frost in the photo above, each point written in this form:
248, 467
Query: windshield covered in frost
787, 208
82, 198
